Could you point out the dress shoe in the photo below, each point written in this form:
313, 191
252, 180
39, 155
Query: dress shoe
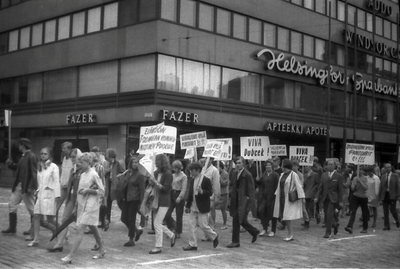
155, 251
66, 259
271, 234
216, 241
151, 232
254, 239
327, 235
336, 229
363, 231
173, 241
58, 249
100, 255
129, 244
263, 232
288, 239
386, 228
348, 229
138, 234
233, 245
189, 248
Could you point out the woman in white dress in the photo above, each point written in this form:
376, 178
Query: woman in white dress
48, 192
88, 205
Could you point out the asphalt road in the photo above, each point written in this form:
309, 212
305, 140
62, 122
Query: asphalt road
376, 249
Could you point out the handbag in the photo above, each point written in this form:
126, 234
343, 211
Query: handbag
293, 195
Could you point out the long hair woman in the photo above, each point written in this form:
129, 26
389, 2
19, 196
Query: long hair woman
48, 192
89, 191
162, 182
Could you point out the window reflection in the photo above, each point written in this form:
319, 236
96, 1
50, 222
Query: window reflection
278, 92
240, 86
384, 111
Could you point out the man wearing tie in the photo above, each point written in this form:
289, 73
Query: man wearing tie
330, 193
388, 193
242, 197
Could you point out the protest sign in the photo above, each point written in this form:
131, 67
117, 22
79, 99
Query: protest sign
157, 139
305, 155
255, 147
213, 149
146, 166
360, 154
226, 154
193, 140
189, 154
278, 150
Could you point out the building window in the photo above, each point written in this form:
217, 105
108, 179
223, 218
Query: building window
364, 107
336, 103
148, 10
309, 4
394, 70
394, 32
378, 66
269, 35
6, 91
387, 72
37, 34
60, 84
25, 37
297, 2
188, 12
320, 49
3, 42
223, 22
320, 6
78, 24
110, 19
340, 56
369, 22
168, 9
29, 89
295, 45
13, 40
308, 48
206, 17
64, 27
278, 92
333, 7
239, 26
384, 111
240, 86
50, 31
303, 93
94, 19
255, 31
97, 79
137, 73
378, 25
386, 28
283, 39
361, 19
127, 12
341, 11
351, 15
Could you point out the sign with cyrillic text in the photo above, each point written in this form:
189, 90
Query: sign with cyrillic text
193, 140
157, 139
360, 154
278, 150
226, 154
305, 155
255, 147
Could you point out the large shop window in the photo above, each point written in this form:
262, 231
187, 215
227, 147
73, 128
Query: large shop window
278, 92
60, 84
28, 89
240, 86
304, 93
186, 76
97, 79
363, 107
137, 73
336, 103
384, 111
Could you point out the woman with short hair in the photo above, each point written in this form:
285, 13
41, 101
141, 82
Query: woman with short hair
48, 193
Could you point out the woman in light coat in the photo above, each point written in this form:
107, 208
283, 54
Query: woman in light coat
47, 194
284, 209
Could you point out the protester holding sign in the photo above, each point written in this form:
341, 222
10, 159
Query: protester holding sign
162, 183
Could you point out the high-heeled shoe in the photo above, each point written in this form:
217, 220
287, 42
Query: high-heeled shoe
66, 259
33, 244
100, 255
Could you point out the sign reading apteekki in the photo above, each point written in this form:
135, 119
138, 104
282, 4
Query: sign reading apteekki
295, 128
81, 119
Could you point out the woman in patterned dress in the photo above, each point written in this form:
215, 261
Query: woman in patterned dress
88, 205
47, 194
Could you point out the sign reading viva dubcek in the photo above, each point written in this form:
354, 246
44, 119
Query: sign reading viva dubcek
305, 155
360, 154
255, 147
157, 139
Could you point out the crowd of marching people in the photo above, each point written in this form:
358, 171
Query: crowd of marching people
87, 183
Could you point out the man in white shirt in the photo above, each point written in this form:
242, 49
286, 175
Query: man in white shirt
66, 167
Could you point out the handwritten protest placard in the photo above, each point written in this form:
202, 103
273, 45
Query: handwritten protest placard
360, 154
226, 153
278, 150
193, 140
255, 147
213, 149
189, 154
157, 139
305, 155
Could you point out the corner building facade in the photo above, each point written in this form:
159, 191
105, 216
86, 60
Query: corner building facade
94, 71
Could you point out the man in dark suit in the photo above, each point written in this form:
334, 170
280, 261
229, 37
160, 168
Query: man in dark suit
242, 197
311, 184
198, 205
330, 193
388, 193
24, 186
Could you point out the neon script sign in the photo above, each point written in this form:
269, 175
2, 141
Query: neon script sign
292, 65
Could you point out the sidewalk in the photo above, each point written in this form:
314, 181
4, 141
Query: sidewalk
376, 249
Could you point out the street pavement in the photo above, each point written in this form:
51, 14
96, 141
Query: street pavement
376, 249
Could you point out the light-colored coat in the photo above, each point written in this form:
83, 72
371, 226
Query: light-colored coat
48, 190
292, 210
